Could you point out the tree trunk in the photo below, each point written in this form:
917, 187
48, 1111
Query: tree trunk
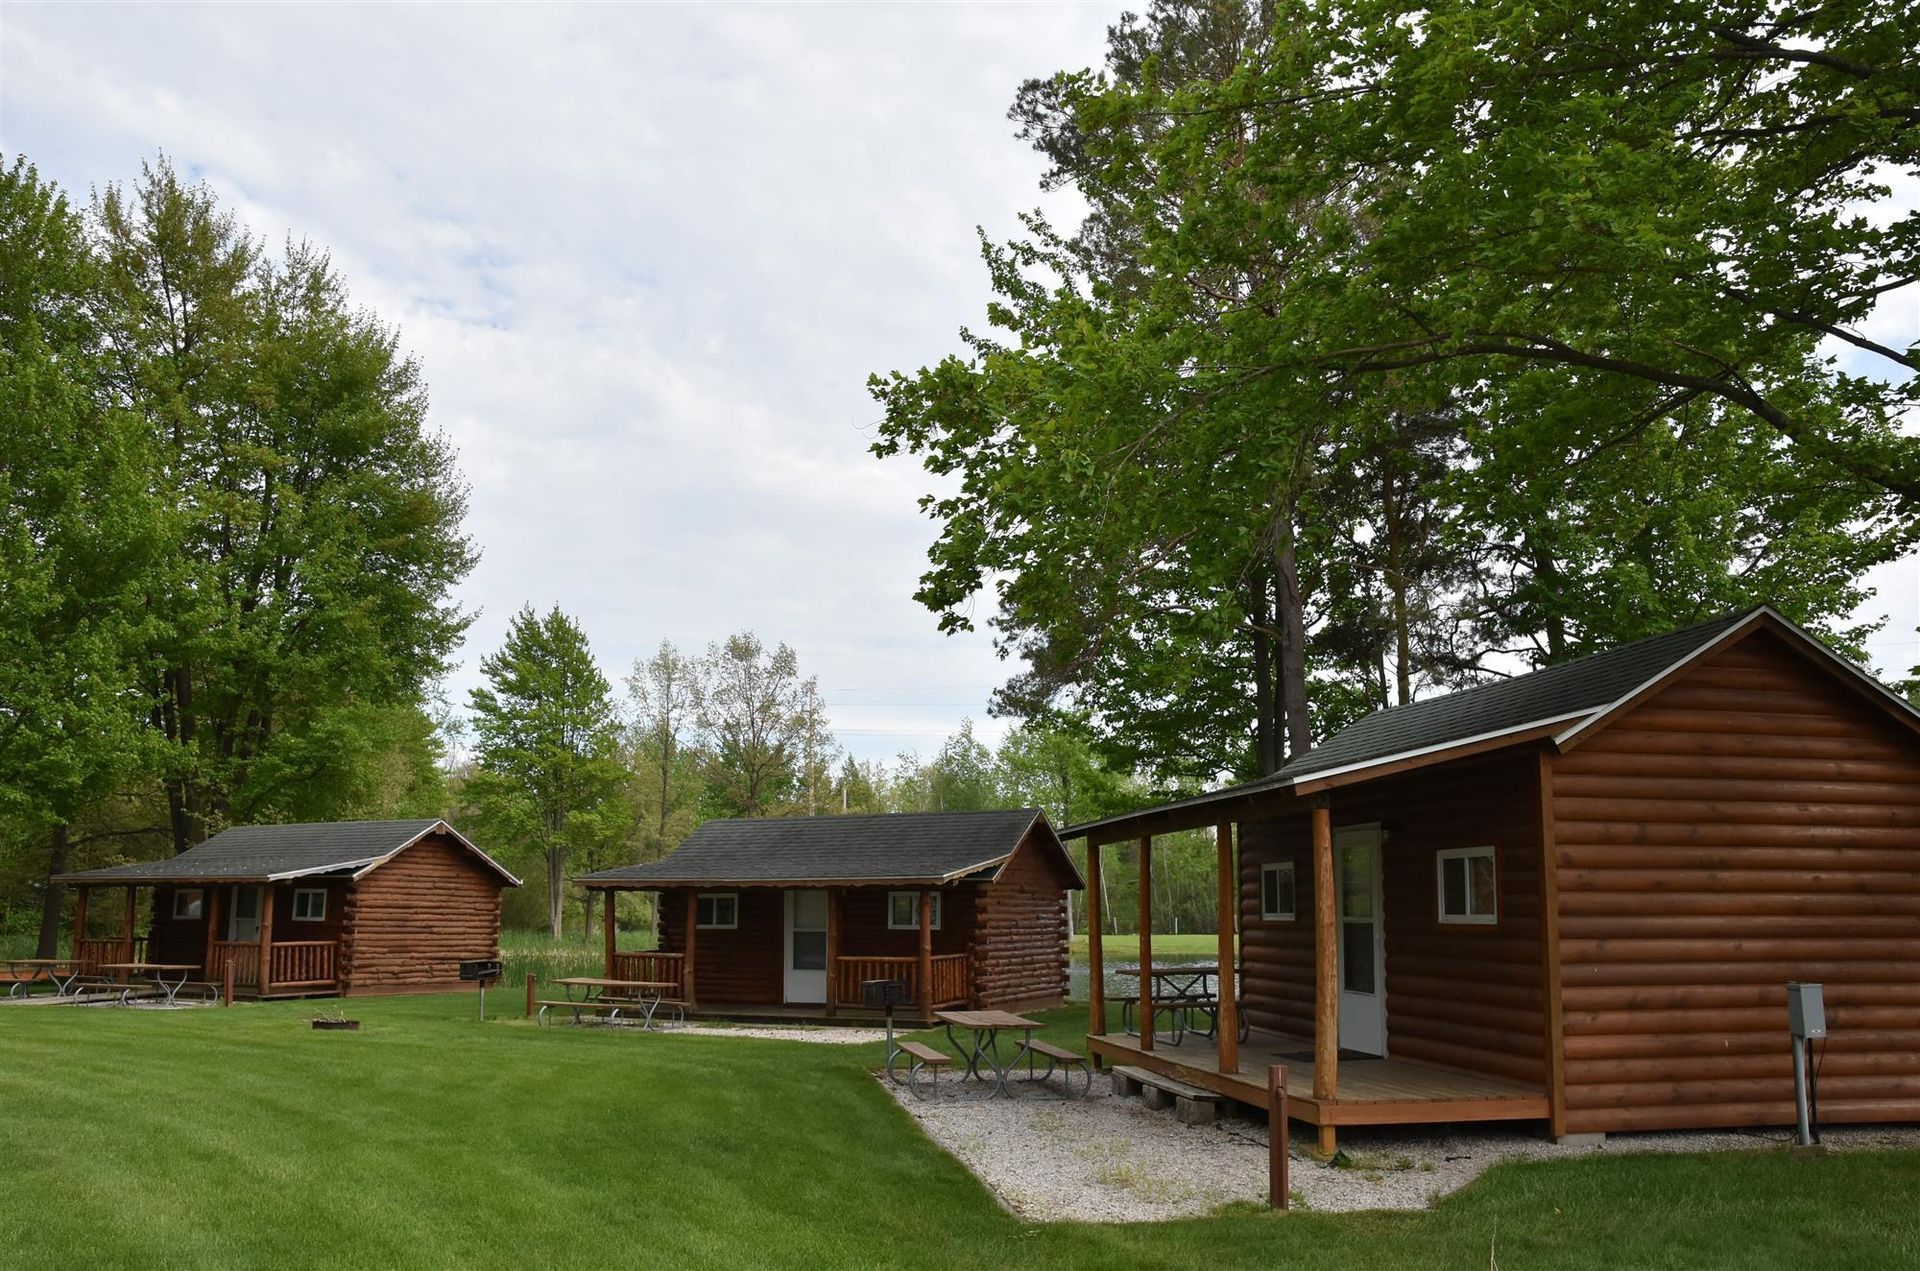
586, 916
1290, 610
52, 903
1266, 723
1397, 589
556, 887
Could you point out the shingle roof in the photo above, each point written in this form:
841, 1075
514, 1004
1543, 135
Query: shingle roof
264, 853
1567, 692
907, 847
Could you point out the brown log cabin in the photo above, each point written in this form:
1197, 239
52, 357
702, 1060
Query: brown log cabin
788, 916
1575, 897
317, 910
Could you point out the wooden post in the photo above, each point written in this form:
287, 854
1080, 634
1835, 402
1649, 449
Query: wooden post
833, 949
1277, 1136
1146, 942
926, 955
80, 895
226, 984
1227, 1014
1550, 953
686, 960
606, 902
212, 914
531, 994
1096, 959
1326, 972
266, 938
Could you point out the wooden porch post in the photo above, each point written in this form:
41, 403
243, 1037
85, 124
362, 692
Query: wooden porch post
1227, 1014
80, 894
213, 928
1096, 959
926, 954
606, 903
1146, 942
1550, 953
686, 959
266, 938
833, 948
1326, 970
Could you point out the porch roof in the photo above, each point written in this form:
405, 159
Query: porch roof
274, 853
924, 849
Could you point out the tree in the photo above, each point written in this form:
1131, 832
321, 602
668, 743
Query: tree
77, 539
312, 534
817, 747
548, 773
753, 712
667, 695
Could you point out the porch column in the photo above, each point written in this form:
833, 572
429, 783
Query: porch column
833, 948
1146, 942
1326, 970
1227, 1014
926, 954
212, 911
606, 902
1096, 959
80, 894
266, 938
686, 959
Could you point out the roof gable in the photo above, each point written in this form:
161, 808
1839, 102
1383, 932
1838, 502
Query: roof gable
274, 853
923, 848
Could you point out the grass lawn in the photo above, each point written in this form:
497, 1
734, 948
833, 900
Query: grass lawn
230, 1137
1118, 950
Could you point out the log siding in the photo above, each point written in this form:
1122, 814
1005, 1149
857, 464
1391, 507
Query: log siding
410, 923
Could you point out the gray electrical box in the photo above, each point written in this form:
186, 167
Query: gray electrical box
1806, 1010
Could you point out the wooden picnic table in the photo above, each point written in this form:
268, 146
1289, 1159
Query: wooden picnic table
596, 990
986, 1027
1178, 987
157, 972
49, 969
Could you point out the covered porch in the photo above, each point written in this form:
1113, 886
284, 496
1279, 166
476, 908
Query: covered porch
221, 929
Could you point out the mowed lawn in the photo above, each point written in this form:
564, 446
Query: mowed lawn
240, 1137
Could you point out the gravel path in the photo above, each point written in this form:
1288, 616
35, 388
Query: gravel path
784, 1033
1109, 1159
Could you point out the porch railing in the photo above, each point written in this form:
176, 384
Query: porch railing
243, 954
302, 963
93, 952
666, 968
951, 979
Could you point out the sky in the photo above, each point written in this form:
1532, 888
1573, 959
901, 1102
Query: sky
647, 258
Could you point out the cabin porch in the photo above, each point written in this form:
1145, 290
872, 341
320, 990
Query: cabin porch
217, 927
1369, 1090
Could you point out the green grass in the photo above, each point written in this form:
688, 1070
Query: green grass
537, 952
239, 1137
1121, 949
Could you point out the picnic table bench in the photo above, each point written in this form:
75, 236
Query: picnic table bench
923, 1056
167, 978
1191, 1104
645, 998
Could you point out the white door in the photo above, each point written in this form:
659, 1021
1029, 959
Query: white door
1363, 969
806, 945
243, 910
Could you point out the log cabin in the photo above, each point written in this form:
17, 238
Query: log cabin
335, 908
788, 916
1573, 897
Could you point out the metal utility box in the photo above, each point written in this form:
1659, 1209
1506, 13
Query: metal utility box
1806, 1010
883, 994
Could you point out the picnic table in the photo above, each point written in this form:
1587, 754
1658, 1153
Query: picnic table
986, 1026
1178, 987
598, 993
156, 973
59, 972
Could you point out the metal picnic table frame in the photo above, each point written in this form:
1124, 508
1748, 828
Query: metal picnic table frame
648, 996
43, 968
1185, 991
986, 1027
154, 973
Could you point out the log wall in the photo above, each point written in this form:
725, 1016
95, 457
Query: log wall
411, 922
1020, 944
1470, 996
1754, 822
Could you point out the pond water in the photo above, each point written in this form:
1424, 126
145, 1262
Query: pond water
1127, 985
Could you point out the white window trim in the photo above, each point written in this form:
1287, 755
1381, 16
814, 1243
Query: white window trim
199, 894
936, 906
321, 892
1293, 882
1440, 860
731, 897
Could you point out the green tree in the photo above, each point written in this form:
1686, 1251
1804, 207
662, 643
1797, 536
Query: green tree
666, 692
548, 774
77, 539
753, 713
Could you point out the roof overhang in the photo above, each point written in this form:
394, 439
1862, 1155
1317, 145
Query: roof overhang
354, 869
363, 868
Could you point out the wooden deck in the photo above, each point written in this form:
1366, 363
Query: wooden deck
1370, 1091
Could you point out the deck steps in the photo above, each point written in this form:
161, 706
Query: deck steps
1191, 1105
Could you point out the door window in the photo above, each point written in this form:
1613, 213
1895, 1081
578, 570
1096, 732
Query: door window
1357, 969
809, 930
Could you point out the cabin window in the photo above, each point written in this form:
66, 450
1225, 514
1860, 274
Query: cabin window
310, 904
903, 911
1276, 891
189, 903
1468, 885
716, 909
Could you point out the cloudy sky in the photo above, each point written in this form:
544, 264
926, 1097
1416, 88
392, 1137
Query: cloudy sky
648, 257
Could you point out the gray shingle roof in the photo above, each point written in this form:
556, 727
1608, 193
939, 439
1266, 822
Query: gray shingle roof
1567, 691
905, 847
261, 853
